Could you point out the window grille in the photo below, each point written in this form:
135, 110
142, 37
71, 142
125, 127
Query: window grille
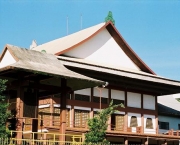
81, 117
133, 121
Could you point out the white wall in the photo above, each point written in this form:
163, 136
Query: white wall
173, 122
150, 131
148, 102
138, 120
104, 92
119, 95
133, 100
83, 92
104, 49
7, 59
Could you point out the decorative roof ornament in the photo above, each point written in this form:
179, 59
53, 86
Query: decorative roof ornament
110, 18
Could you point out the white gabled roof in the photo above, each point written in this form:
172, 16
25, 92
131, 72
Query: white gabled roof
63, 43
169, 101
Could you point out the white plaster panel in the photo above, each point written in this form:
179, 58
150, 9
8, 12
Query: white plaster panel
82, 108
104, 92
119, 95
104, 49
119, 112
150, 131
138, 120
44, 106
148, 102
7, 59
133, 100
84, 92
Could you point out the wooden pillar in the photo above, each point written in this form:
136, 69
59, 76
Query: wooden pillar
35, 120
62, 128
165, 142
145, 141
51, 111
19, 112
125, 121
72, 117
126, 141
142, 123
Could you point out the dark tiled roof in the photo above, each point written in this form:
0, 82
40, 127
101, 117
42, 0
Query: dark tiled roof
164, 110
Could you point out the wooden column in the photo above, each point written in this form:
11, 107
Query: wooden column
62, 128
19, 110
51, 111
145, 141
72, 117
142, 123
126, 141
125, 121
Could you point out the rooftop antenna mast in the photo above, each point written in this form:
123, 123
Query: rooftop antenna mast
67, 25
81, 21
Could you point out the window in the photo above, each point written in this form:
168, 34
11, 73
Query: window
97, 100
164, 125
81, 117
117, 122
82, 97
133, 121
56, 117
149, 123
116, 102
44, 114
178, 126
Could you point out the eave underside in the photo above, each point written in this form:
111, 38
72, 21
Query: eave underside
131, 84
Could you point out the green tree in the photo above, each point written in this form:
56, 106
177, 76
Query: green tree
4, 113
98, 125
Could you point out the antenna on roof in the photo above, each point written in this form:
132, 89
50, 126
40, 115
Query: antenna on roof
67, 25
81, 21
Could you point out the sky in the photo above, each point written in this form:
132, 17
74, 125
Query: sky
150, 27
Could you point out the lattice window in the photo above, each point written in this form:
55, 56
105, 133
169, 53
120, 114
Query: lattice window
27, 124
133, 121
81, 117
44, 114
149, 123
82, 97
119, 122
56, 116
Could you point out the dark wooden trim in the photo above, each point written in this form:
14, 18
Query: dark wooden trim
142, 101
96, 105
109, 95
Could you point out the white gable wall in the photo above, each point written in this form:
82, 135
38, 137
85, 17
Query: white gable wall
7, 59
103, 48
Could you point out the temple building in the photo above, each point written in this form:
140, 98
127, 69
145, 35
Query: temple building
55, 87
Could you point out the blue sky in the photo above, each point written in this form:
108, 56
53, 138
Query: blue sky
150, 27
